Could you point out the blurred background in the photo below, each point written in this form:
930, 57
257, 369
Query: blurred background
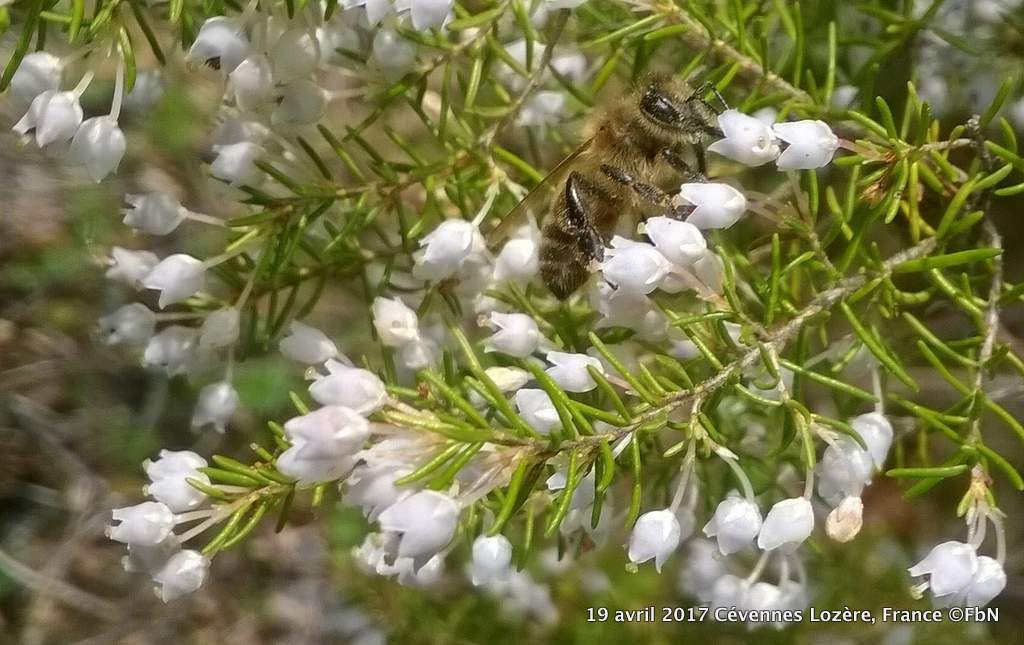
78, 418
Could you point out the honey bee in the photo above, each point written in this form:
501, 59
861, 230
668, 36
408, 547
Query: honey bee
657, 127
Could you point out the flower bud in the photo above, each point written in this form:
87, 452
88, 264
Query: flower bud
517, 334
787, 525
748, 140
655, 535
426, 521
220, 329
153, 213
306, 344
295, 55
811, 144
184, 573
146, 524
634, 267
171, 463
717, 205
536, 408
217, 403
844, 522
177, 277
681, 243
55, 117
333, 428
396, 323
735, 524
350, 387
220, 43
236, 163
130, 267
99, 145
132, 324
570, 371
492, 559
38, 72
950, 567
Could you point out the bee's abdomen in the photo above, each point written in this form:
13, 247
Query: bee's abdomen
563, 265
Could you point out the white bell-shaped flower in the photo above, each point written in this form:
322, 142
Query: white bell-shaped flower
570, 370
519, 260
508, 379
634, 267
844, 522
446, 248
655, 535
811, 144
252, 83
309, 463
761, 597
220, 329
635, 311
536, 408
876, 431
131, 324
426, 521
295, 55
171, 462
38, 72
184, 572
516, 335
236, 163
728, 591
98, 145
735, 524
492, 560
428, 14
169, 477
419, 354
306, 344
146, 524
544, 108
372, 487
333, 428
302, 102
787, 525
173, 350
177, 277
988, 582
149, 559
843, 470
220, 43
217, 403
950, 567
748, 140
55, 117
710, 270
408, 575
701, 569
130, 267
395, 322
718, 205
153, 213
351, 387
392, 54
681, 243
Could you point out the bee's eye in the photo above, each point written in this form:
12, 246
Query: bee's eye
659, 108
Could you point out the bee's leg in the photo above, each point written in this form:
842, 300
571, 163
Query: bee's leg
580, 223
646, 192
674, 159
704, 88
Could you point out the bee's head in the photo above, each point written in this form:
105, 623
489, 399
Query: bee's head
661, 105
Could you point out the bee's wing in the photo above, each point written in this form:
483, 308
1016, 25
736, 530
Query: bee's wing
535, 201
